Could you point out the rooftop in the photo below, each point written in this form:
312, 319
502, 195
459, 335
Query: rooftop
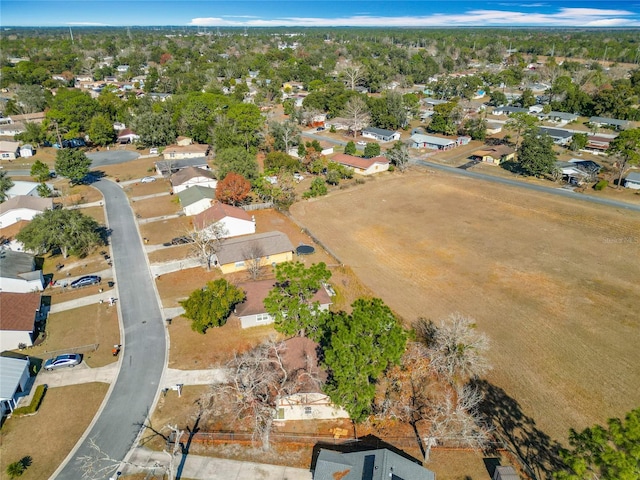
19, 311
181, 176
270, 243
217, 212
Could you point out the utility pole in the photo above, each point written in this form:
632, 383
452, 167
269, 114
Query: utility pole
71, 34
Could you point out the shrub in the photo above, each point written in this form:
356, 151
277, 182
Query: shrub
601, 185
35, 402
15, 469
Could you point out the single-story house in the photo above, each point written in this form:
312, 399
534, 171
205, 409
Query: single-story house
507, 110
127, 136
196, 199
23, 187
362, 166
559, 116
494, 155
610, 122
9, 150
338, 123
22, 207
167, 167
177, 152
18, 273
558, 135
632, 181
234, 220
20, 313
14, 377
380, 134
27, 150
419, 140
274, 247
573, 173
191, 177
184, 141
161, 97
252, 313
381, 464
37, 117
493, 128
12, 129
432, 102
597, 143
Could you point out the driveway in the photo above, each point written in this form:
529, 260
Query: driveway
143, 356
111, 157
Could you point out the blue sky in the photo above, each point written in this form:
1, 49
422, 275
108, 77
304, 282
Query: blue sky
429, 13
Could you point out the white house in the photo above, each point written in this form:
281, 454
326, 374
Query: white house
191, 177
127, 136
380, 134
632, 181
22, 187
11, 129
22, 207
235, 221
14, 377
20, 312
418, 140
9, 150
18, 273
252, 313
27, 151
196, 199
362, 166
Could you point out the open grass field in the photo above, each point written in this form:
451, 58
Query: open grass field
553, 282
49, 436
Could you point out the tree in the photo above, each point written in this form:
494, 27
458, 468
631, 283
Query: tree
206, 242
350, 148
536, 156
275, 161
604, 453
154, 129
253, 256
211, 306
233, 189
476, 128
318, 188
40, 171
237, 160
521, 123
5, 184
442, 120
72, 110
578, 141
69, 231
72, 163
247, 120
101, 130
372, 150
352, 76
43, 190
398, 155
34, 133
626, 147
357, 113
358, 348
290, 302
284, 134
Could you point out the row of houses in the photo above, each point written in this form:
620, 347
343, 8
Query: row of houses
564, 117
12, 150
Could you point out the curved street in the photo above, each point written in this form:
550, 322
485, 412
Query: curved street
143, 356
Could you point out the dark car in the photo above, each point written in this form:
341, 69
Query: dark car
179, 241
85, 281
61, 361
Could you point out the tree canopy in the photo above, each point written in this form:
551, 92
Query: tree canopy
233, 189
626, 147
211, 306
69, 231
72, 163
536, 156
238, 160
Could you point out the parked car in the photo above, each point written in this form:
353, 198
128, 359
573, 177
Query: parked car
179, 241
147, 179
319, 129
298, 177
362, 143
61, 361
85, 281
153, 151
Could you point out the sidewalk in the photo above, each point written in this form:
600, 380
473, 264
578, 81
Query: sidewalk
210, 468
174, 266
83, 301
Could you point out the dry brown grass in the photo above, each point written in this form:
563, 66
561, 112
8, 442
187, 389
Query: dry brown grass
139, 189
167, 254
49, 436
552, 281
156, 206
78, 327
164, 230
131, 170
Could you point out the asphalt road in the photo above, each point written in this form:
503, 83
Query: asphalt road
111, 157
538, 188
143, 354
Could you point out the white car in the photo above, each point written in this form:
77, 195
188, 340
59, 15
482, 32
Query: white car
297, 177
362, 143
153, 151
147, 179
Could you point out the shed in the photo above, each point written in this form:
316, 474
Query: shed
505, 473
632, 181
14, 376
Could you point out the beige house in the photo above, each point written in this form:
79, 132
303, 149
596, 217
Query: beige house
9, 150
494, 155
268, 248
362, 166
177, 152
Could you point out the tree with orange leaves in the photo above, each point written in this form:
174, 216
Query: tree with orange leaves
233, 189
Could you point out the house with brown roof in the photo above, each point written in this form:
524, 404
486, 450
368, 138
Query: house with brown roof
192, 177
362, 166
252, 313
268, 248
177, 152
234, 220
127, 136
494, 155
18, 272
20, 313
22, 207
9, 150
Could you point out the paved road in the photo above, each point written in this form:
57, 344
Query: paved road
111, 157
538, 188
144, 346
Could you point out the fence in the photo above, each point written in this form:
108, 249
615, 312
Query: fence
257, 206
82, 349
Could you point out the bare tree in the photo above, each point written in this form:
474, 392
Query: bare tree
357, 112
284, 133
352, 76
207, 242
253, 256
399, 156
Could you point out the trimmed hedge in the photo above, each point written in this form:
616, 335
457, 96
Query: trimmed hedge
35, 402
601, 185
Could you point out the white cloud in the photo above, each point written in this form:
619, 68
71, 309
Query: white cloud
582, 17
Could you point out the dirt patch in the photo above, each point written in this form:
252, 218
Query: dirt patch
49, 436
156, 206
538, 273
138, 168
164, 230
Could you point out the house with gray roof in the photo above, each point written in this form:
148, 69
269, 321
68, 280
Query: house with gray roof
18, 272
237, 254
632, 181
381, 464
167, 167
419, 140
192, 176
610, 122
14, 379
507, 110
558, 116
196, 199
558, 135
380, 134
